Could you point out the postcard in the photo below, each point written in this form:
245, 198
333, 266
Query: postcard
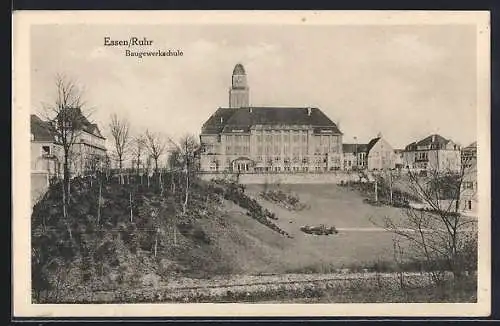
251, 163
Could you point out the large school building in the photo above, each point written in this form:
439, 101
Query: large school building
247, 139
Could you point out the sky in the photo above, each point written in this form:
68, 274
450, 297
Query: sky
405, 82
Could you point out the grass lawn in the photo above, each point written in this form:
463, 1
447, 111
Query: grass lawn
330, 205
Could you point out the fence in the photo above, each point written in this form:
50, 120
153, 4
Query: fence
286, 178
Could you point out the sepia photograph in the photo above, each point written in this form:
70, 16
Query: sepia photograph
291, 163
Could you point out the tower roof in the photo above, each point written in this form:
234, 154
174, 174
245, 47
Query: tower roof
239, 70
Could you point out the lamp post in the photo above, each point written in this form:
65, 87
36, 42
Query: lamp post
356, 150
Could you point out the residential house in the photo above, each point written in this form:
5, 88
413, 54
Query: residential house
399, 158
468, 191
433, 153
469, 155
89, 147
46, 157
380, 154
268, 139
46, 153
354, 156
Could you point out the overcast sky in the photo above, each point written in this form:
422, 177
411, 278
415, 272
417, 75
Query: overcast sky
403, 81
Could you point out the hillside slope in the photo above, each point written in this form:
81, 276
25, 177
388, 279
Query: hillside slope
139, 237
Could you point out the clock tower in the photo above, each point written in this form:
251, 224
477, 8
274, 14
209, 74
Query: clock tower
239, 91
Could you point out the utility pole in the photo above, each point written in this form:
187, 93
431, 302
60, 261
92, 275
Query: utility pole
356, 150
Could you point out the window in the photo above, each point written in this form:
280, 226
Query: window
468, 185
469, 204
45, 150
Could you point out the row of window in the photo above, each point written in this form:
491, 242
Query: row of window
239, 150
278, 138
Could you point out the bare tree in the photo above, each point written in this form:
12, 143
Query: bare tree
156, 145
120, 132
437, 231
67, 120
183, 158
138, 151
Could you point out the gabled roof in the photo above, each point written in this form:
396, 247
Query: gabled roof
41, 130
371, 144
434, 139
84, 123
244, 118
471, 146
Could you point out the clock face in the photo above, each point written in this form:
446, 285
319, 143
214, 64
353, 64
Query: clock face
238, 80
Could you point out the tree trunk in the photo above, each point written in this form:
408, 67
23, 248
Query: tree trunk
130, 200
156, 241
99, 204
184, 206
120, 170
390, 187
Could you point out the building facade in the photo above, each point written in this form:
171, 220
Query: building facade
380, 154
89, 149
399, 158
433, 153
469, 155
468, 191
247, 139
46, 153
354, 156
87, 153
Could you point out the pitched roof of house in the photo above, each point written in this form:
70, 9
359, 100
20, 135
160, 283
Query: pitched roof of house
353, 148
433, 139
242, 119
84, 123
472, 146
41, 130
371, 144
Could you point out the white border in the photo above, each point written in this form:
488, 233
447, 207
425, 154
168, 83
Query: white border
22, 20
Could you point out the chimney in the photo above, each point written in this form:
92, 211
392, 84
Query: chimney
433, 138
221, 120
309, 111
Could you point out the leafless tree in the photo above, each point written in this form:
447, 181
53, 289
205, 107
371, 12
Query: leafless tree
67, 120
437, 231
156, 146
93, 165
138, 151
119, 129
182, 154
